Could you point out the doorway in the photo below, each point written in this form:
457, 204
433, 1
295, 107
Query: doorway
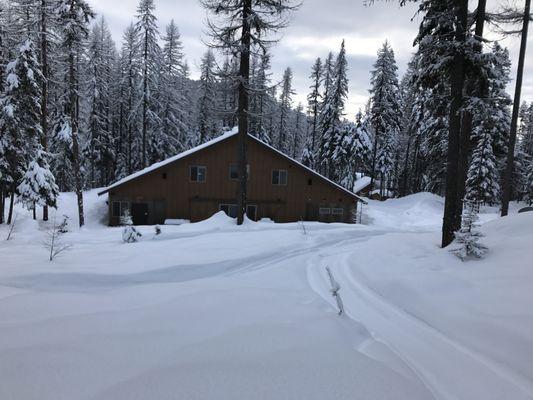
139, 213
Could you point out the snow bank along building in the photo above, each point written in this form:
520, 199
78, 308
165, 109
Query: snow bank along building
201, 181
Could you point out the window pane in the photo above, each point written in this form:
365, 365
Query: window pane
201, 174
337, 211
282, 177
234, 171
233, 210
194, 174
124, 206
324, 211
275, 177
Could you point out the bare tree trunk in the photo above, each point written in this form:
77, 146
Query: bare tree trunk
11, 204
244, 73
473, 88
374, 155
457, 80
2, 201
75, 145
508, 175
44, 93
145, 102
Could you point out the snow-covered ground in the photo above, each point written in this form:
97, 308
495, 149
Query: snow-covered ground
214, 311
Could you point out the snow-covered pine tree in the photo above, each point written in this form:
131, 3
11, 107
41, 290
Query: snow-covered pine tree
100, 151
20, 119
208, 126
38, 187
285, 106
73, 19
482, 184
260, 103
298, 132
173, 99
467, 238
130, 68
385, 114
331, 113
313, 108
150, 57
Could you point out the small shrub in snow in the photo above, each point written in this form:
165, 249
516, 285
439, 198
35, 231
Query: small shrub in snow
54, 239
157, 230
129, 234
63, 227
467, 238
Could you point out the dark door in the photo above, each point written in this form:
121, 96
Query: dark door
159, 211
139, 213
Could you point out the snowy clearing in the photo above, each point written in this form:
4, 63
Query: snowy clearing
213, 311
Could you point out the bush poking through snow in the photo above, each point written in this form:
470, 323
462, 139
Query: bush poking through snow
63, 227
54, 239
129, 234
467, 238
157, 230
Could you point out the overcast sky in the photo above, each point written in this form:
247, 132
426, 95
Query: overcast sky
316, 28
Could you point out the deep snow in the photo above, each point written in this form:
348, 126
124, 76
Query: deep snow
214, 311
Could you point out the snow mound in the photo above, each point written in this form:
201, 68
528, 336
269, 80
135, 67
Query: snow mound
420, 210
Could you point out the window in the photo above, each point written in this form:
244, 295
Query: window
234, 171
229, 209
324, 211
337, 211
309, 182
251, 212
197, 173
120, 207
279, 177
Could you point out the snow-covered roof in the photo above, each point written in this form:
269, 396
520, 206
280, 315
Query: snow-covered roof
361, 183
210, 143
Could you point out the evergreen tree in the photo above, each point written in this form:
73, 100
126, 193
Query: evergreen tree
285, 105
385, 113
313, 104
173, 98
147, 45
207, 106
38, 187
73, 16
331, 113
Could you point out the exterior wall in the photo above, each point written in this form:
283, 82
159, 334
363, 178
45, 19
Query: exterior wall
176, 197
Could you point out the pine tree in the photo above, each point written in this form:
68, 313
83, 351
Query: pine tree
260, 103
173, 99
313, 104
482, 180
100, 147
332, 111
20, 119
207, 106
147, 44
385, 113
38, 187
285, 105
467, 238
73, 16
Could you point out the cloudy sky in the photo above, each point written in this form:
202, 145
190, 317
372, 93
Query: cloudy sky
316, 28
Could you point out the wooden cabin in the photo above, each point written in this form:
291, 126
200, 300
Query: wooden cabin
201, 181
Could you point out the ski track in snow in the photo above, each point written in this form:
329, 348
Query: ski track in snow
449, 370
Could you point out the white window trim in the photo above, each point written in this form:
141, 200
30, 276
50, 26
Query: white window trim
279, 173
324, 211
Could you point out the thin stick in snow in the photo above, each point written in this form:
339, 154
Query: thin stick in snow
335, 288
303, 226
12, 227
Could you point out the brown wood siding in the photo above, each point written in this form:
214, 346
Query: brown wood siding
199, 200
